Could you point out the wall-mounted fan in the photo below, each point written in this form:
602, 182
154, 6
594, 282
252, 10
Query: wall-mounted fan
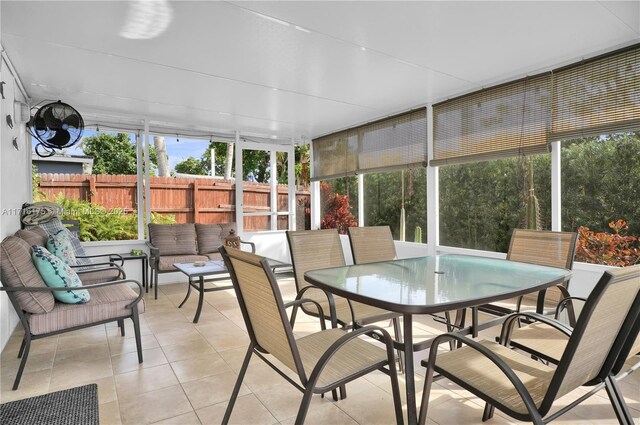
56, 125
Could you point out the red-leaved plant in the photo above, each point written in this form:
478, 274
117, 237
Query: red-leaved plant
338, 214
611, 249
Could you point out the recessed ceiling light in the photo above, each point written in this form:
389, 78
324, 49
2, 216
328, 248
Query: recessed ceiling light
364, 49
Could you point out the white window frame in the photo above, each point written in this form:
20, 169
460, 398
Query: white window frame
272, 148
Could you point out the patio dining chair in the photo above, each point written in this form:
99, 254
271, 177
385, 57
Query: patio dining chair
545, 248
371, 244
547, 342
527, 389
320, 249
323, 361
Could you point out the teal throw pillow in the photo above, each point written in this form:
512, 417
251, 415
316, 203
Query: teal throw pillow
58, 274
59, 244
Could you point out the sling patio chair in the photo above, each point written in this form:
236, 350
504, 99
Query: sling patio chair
526, 389
548, 343
371, 244
323, 361
321, 249
545, 248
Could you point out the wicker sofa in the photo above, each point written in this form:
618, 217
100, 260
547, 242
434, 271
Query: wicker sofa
185, 243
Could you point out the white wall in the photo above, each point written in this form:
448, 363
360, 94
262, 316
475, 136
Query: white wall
274, 245
133, 269
15, 184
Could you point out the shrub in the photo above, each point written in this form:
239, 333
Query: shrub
338, 214
99, 224
612, 249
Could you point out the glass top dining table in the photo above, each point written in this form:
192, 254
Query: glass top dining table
434, 284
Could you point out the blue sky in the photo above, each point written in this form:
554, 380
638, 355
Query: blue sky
177, 150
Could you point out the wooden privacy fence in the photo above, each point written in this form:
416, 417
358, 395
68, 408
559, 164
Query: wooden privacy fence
189, 200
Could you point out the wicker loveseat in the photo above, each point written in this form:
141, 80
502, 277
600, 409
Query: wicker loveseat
185, 243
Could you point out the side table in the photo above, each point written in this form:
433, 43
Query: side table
145, 265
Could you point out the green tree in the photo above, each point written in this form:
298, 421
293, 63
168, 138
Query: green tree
601, 182
383, 200
481, 203
113, 153
257, 162
191, 165
221, 153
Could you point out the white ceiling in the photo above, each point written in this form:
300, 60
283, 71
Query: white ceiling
294, 69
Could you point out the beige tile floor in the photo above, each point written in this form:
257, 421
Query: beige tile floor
190, 369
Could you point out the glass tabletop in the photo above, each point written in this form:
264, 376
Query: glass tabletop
436, 283
209, 267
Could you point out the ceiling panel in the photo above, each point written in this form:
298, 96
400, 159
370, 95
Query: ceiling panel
296, 68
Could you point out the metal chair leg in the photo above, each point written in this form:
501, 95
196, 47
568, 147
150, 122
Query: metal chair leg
25, 354
424, 405
236, 388
304, 406
21, 348
397, 331
156, 288
136, 330
121, 326
617, 401
488, 412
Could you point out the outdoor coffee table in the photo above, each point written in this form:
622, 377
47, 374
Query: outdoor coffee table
211, 268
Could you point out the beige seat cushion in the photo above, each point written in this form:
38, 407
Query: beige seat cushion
167, 261
352, 358
99, 276
18, 270
477, 371
211, 236
106, 303
35, 236
174, 239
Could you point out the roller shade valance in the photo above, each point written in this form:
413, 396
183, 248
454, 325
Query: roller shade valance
504, 121
391, 143
596, 97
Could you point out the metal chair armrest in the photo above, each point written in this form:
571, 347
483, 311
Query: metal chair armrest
253, 245
153, 250
567, 303
111, 266
495, 359
307, 300
512, 319
117, 256
383, 336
